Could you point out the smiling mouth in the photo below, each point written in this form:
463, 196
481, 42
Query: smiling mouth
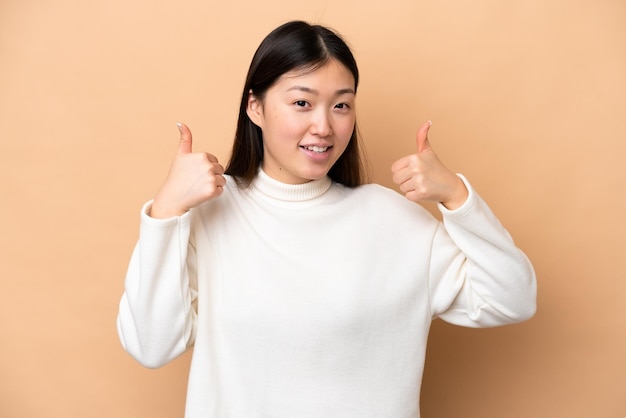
316, 149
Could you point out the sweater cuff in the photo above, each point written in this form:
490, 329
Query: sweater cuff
146, 219
466, 207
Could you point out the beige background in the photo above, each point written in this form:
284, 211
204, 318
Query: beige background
528, 99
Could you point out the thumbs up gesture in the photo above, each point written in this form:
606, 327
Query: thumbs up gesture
194, 178
422, 177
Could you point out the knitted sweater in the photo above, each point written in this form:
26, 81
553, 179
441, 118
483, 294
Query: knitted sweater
314, 300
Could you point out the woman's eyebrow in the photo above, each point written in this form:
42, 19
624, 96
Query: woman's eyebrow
315, 92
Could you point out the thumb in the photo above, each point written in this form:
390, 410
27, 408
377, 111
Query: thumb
422, 137
184, 146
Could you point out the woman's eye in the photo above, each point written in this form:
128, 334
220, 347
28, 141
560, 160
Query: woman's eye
300, 103
342, 106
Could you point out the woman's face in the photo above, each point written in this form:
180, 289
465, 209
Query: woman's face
307, 119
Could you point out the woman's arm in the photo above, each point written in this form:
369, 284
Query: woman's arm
157, 315
479, 278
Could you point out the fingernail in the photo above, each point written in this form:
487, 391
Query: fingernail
180, 126
430, 122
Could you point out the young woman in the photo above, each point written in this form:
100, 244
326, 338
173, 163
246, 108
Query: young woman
304, 292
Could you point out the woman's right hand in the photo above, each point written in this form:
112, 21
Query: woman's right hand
194, 178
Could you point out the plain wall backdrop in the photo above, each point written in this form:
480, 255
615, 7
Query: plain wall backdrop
527, 99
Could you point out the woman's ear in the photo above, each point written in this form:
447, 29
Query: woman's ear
255, 109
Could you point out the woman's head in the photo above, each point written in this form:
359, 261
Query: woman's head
291, 50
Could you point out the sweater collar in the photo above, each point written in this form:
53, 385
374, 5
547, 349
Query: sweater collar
290, 192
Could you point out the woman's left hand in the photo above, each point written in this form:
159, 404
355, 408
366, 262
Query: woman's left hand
422, 177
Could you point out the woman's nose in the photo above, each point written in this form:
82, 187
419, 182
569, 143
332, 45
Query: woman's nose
320, 125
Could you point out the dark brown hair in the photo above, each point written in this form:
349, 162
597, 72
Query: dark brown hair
292, 46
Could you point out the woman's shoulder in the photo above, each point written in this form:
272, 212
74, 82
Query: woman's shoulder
375, 192
383, 210
376, 197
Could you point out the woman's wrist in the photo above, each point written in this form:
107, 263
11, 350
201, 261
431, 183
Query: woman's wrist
458, 196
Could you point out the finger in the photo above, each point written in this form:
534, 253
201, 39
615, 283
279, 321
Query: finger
184, 146
401, 176
212, 158
216, 169
422, 137
406, 186
400, 164
219, 169
220, 181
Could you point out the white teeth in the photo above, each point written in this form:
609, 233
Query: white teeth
316, 148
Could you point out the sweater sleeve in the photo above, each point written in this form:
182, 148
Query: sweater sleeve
478, 277
157, 314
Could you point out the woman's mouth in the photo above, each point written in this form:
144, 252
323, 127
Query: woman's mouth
316, 149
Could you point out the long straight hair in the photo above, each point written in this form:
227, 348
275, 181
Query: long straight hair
295, 45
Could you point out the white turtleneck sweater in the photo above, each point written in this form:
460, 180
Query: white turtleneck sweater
314, 300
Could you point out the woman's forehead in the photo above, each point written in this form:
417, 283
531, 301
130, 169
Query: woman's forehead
332, 71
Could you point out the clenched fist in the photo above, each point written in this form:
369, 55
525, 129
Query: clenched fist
194, 178
422, 177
